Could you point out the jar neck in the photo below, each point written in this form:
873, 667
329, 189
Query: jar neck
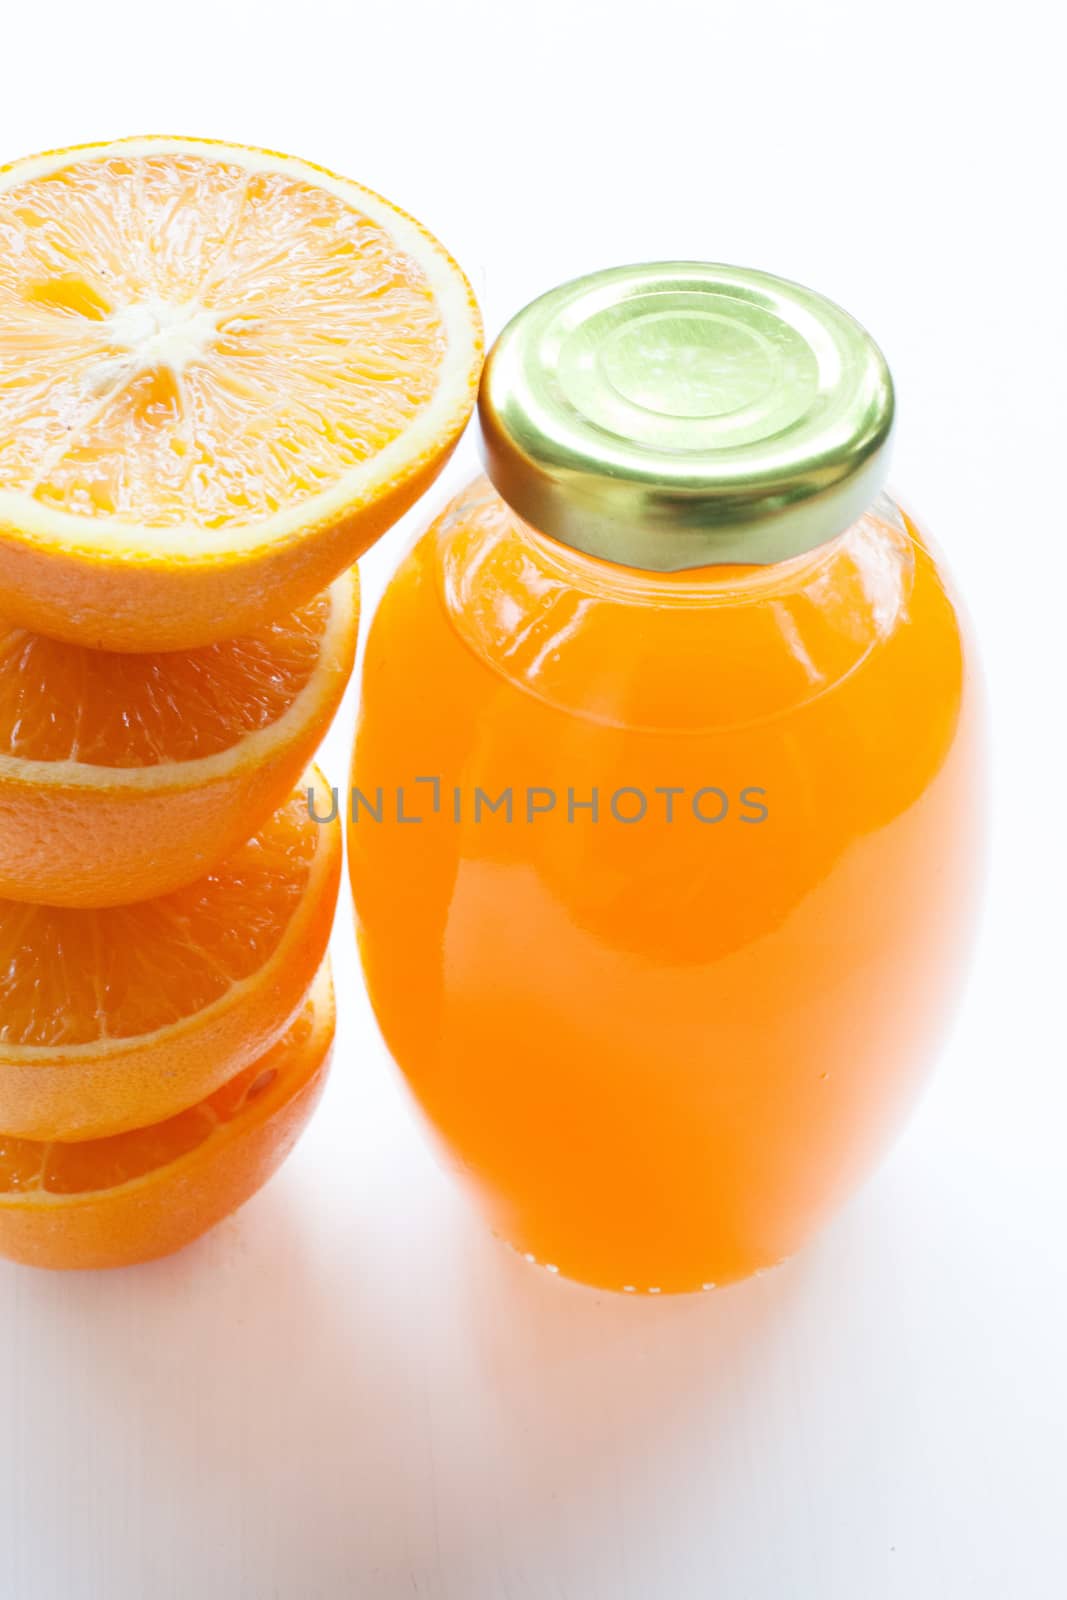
729, 582
710, 647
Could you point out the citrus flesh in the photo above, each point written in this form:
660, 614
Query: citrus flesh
126, 776
115, 1018
129, 1198
223, 373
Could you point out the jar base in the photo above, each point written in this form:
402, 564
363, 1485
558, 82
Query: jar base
673, 1291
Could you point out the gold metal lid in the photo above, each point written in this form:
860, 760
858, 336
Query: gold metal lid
682, 414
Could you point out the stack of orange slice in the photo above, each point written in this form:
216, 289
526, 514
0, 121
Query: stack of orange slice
223, 373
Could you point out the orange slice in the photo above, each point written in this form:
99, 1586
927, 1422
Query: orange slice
223, 373
125, 776
113, 1202
116, 1018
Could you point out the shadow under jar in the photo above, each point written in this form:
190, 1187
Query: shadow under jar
667, 787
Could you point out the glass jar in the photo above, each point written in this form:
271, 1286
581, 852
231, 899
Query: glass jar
665, 867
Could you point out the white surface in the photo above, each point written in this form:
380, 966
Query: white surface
350, 1390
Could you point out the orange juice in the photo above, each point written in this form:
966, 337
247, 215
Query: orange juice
664, 878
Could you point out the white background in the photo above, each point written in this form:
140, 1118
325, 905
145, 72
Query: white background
350, 1390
